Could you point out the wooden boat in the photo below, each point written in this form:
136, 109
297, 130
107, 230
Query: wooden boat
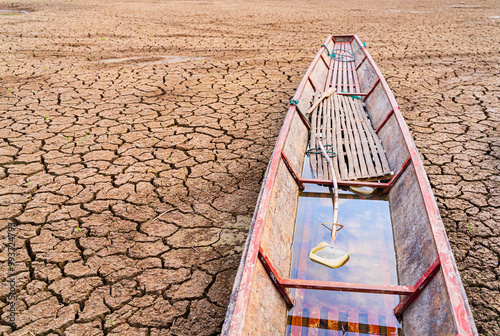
423, 295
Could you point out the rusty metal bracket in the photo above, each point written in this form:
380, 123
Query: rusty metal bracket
292, 171
275, 278
418, 288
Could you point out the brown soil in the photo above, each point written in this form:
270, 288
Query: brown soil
134, 136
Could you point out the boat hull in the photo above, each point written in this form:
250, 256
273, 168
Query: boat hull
256, 306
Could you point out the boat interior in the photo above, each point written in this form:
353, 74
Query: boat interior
400, 277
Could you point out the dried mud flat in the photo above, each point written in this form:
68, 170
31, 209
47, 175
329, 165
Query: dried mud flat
134, 136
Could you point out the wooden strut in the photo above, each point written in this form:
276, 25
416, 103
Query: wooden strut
397, 175
324, 61
364, 58
373, 88
292, 171
302, 117
387, 117
418, 288
275, 278
386, 186
412, 292
311, 82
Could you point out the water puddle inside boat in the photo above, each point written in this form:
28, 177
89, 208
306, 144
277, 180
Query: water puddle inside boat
367, 236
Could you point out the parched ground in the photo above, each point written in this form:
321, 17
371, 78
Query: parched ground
134, 136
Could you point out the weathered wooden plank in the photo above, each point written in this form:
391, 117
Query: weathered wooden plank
380, 149
376, 149
318, 75
368, 146
328, 83
377, 153
340, 150
353, 165
358, 148
339, 73
350, 76
334, 81
332, 139
306, 97
342, 123
344, 73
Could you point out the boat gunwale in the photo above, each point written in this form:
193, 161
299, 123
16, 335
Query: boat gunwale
450, 273
242, 289
242, 297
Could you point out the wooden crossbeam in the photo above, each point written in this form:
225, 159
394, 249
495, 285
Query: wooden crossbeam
346, 287
412, 292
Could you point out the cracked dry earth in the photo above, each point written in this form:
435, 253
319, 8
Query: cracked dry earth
134, 137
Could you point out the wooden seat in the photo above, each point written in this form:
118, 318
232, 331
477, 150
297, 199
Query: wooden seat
341, 122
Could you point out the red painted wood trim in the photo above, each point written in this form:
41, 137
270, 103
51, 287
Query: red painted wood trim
292, 171
364, 58
373, 88
275, 278
311, 82
396, 176
460, 310
242, 296
352, 94
384, 121
324, 61
418, 288
347, 287
344, 35
346, 183
303, 117
333, 39
352, 38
